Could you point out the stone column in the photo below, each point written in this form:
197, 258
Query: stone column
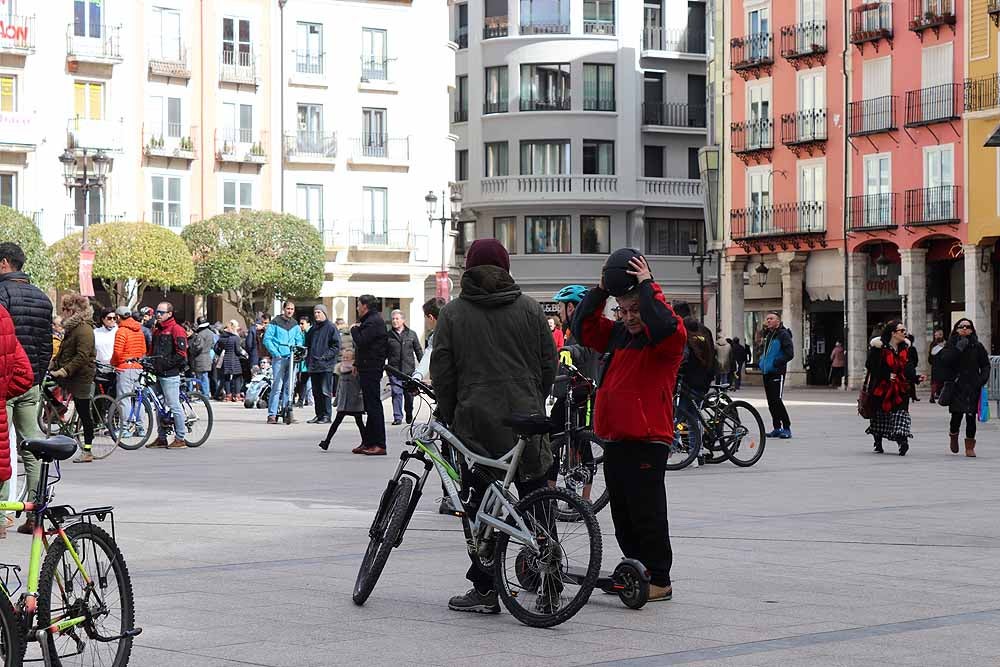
637, 230
857, 318
732, 291
914, 272
978, 295
793, 276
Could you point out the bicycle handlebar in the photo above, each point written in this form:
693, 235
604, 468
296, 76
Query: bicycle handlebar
410, 382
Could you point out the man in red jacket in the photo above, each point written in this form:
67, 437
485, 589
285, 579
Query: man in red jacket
16, 377
633, 413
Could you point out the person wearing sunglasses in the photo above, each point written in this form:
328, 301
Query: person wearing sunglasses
892, 374
966, 366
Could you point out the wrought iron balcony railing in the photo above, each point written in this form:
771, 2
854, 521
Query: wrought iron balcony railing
871, 22
937, 104
752, 135
982, 93
926, 14
674, 114
803, 127
751, 51
792, 219
872, 212
871, 116
803, 39
933, 206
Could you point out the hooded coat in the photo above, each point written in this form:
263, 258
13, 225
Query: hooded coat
76, 353
968, 365
493, 357
230, 346
130, 343
200, 350
16, 378
31, 312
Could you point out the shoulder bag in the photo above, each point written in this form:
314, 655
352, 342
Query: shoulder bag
864, 399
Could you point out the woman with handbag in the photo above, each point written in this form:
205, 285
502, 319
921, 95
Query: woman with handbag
967, 364
892, 375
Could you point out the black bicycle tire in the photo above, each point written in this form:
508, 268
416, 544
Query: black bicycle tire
211, 420
692, 451
11, 634
99, 536
46, 409
380, 546
602, 500
150, 421
589, 519
734, 406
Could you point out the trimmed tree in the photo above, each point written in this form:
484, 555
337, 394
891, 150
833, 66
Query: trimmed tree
124, 251
255, 254
17, 227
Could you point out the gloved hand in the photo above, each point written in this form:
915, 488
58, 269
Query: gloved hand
59, 373
963, 342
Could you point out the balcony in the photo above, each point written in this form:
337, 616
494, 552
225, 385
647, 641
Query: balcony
548, 188
460, 115
804, 130
91, 134
752, 55
379, 236
238, 67
871, 22
933, 206
804, 44
671, 191
556, 102
496, 26
794, 224
310, 68
545, 28
17, 132
872, 213
176, 142
309, 147
101, 48
931, 15
379, 151
462, 37
982, 93
499, 106
937, 104
872, 116
752, 139
241, 146
172, 65
597, 27
17, 35
73, 222
674, 115
170, 218
993, 10
374, 69
673, 40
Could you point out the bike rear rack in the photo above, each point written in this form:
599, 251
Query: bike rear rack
67, 515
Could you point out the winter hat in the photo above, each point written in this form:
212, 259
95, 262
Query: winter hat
123, 312
487, 251
321, 308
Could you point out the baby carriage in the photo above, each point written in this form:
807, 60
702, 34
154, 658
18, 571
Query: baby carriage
259, 389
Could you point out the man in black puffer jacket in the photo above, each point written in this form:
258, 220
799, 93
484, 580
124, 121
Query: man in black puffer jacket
31, 311
370, 352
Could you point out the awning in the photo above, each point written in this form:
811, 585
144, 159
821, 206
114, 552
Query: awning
825, 276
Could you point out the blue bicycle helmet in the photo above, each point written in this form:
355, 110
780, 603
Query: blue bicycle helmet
570, 294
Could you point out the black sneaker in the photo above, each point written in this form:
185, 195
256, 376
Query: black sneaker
474, 601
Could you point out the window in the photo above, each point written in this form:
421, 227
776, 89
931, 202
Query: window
240, 120
812, 192
936, 74
164, 115
462, 165
309, 203
545, 87
466, 235
693, 170
166, 34
88, 100
8, 93
375, 203
236, 42
544, 158
7, 192
598, 87
652, 161
166, 201
758, 117
87, 19
595, 234
670, 237
373, 132
461, 99
374, 62
496, 159
544, 16
310, 133
547, 234
652, 15
759, 199
812, 96
505, 231
230, 202
496, 90
308, 48
462, 26
878, 191
598, 157
939, 176
599, 17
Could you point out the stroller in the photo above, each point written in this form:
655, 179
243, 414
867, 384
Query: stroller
259, 390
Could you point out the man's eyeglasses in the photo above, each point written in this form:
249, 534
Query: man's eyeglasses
162, 312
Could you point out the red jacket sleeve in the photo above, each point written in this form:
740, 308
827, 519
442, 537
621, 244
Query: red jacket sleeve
118, 356
23, 377
589, 325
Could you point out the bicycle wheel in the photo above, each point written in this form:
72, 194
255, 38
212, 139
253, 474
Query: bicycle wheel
198, 419
742, 434
133, 421
52, 416
102, 413
684, 449
583, 467
12, 642
106, 601
531, 584
385, 532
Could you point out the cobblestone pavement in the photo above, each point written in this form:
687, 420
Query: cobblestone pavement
244, 552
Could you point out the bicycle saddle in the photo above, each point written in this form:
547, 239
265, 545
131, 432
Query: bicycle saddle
529, 424
56, 448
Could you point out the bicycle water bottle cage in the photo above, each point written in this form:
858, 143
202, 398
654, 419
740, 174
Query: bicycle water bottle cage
8, 571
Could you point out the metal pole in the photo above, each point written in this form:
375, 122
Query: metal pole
701, 287
444, 234
86, 199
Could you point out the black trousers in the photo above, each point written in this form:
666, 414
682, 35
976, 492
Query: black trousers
321, 402
340, 417
970, 423
836, 376
634, 473
774, 385
371, 391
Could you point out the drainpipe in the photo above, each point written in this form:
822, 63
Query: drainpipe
847, 96
281, 113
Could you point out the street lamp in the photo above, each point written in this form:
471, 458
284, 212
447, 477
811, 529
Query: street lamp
761, 272
882, 264
708, 172
699, 256
447, 221
86, 181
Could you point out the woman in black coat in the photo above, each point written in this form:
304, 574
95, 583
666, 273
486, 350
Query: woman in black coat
230, 345
966, 362
892, 374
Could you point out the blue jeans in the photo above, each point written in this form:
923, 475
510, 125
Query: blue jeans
171, 388
279, 385
206, 386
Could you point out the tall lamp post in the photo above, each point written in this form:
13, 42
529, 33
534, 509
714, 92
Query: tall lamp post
708, 170
447, 222
700, 255
85, 182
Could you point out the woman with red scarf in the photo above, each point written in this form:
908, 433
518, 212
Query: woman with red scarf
892, 376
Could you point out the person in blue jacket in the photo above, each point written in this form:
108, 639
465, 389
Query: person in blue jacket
280, 336
778, 351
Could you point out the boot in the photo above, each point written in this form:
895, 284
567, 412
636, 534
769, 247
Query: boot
28, 527
970, 447
954, 442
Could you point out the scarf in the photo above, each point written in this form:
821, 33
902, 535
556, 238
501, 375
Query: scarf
892, 392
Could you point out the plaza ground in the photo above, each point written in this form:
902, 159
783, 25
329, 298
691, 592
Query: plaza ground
245, 551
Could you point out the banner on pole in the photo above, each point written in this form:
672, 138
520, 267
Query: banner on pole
443, 285
87, 272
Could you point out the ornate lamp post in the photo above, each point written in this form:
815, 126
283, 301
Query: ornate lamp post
447, 222
85, 182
